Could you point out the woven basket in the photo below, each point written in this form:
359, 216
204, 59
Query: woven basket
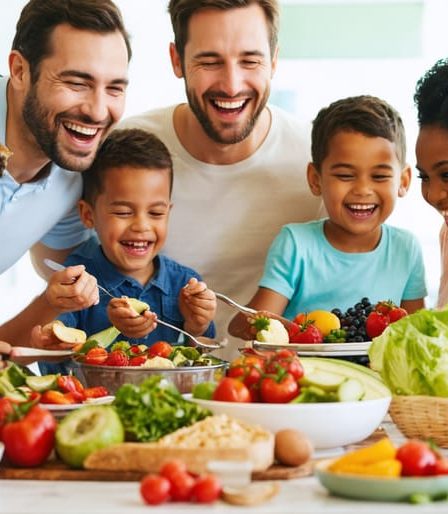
422, 417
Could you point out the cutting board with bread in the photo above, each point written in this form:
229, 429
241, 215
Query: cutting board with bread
216, 438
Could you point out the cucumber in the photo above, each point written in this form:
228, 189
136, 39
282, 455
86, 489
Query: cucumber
324, 380
42, 383
370, 380
351, 390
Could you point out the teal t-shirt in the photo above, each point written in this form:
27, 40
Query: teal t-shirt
305, 268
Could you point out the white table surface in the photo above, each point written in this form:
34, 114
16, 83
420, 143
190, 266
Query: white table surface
302, 496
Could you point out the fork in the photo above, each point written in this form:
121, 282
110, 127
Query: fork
248, 310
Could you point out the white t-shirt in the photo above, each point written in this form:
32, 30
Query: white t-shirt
225, 217
45, 210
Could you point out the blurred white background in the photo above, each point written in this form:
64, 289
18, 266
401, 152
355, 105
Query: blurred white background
303, 86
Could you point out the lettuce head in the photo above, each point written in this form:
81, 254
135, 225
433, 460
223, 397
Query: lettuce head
411, 355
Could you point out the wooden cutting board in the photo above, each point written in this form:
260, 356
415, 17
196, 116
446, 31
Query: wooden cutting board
56, 470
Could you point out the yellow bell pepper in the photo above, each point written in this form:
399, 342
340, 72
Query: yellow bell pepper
383, 450
390, 468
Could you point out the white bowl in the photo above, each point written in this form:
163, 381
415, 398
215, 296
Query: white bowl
326, 424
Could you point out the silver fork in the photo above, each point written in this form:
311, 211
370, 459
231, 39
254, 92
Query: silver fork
212, 345
248, 310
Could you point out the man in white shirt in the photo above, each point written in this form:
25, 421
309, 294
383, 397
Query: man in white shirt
239, 164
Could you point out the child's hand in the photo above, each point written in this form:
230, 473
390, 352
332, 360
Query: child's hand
72, 289
197, 305
43, 337
127, 321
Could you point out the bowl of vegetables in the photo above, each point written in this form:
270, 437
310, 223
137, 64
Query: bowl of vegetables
334, 402
184, 366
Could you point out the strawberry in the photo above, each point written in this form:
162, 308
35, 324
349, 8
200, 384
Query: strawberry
384, 307
308, 334
117, 358
293, 330
376, 323
137, 361
397, 313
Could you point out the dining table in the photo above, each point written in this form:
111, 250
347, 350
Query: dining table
300, 495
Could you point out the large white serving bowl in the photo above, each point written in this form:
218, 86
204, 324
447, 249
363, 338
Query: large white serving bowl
327, 425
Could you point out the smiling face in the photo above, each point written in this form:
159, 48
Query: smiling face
227, 69
79, 95
360, 180
432, 162
130, 216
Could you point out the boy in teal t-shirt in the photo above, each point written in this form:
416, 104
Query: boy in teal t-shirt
359, 169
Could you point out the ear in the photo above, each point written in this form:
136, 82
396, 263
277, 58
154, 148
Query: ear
86, 214
405, 181
19, 71
314, 179
176, 62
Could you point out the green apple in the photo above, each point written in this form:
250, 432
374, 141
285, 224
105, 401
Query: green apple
85, 430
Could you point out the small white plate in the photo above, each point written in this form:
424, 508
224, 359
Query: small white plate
104, 400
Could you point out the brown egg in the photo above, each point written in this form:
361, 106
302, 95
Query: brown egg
292, 447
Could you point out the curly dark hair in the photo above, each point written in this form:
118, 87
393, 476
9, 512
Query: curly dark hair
133, 148
39, 18
431, 95
365, 114
182, 10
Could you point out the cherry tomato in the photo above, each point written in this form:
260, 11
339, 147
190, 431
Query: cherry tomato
182, 484
231, 390
30, 439
171, 467
160, 349
96, 356
155, 489
291, 365
206, 489
417, 458
279, 390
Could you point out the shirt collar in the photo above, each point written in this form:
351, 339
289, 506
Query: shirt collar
108, 276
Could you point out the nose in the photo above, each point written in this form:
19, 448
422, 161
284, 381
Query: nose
96, 106
362, 186
141, 223
232, 79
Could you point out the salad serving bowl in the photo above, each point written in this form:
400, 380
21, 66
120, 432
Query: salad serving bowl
112, 377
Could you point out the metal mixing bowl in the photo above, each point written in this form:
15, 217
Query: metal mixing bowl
112, 377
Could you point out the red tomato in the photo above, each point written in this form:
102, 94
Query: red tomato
6, 410
182, 484
231, 390
376, 323
206, 489
291, 365
30, 439
440, 467
96, 356
171, 467
160, 349
69, 384
155, 489
417, 458
307, 334
279, 390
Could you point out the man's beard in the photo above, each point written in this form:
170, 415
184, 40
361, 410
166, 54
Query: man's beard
217, 135
35, 115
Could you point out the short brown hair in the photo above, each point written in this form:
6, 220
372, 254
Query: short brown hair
367, 115
39, 18
182, 10
134, 148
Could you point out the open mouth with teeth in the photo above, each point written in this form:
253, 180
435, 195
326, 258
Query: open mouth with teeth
136, 247
361, 210
229, 106
80, 132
